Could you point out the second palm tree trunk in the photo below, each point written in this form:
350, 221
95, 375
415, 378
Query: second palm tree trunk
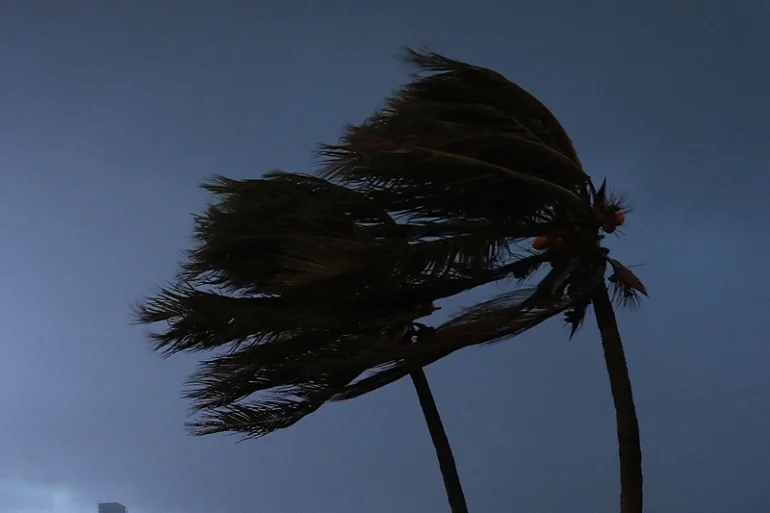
629, 445
446, 459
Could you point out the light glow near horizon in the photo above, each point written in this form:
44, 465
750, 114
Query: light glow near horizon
21, 496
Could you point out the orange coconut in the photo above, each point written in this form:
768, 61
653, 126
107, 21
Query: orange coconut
611, 217
541, 242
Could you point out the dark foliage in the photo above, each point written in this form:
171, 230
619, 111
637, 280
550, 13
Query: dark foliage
310, 287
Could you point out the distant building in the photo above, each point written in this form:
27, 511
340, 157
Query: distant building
112, 507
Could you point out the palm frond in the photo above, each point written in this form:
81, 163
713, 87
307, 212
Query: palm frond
255, 419
380, 377
199, 320
460, 142
264, 235
491, 88
274, 365
497, 319
263, 387
202, 320
286, 232
627, 290
502, 317
575, 316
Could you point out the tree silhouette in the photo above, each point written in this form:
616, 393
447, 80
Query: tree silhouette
311, 287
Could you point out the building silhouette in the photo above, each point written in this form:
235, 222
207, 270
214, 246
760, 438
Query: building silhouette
112, 507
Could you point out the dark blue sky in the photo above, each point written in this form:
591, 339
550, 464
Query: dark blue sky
111, 113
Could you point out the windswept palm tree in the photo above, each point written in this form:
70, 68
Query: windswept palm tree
314, 285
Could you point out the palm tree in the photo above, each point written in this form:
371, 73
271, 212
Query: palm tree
314, 286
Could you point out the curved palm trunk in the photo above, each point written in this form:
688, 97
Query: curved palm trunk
629, 445
446, 459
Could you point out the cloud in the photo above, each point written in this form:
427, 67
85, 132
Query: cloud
20, 496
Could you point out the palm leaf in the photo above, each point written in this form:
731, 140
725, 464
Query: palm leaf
287, 231
460, 142
626, 288
497, 319
258, 418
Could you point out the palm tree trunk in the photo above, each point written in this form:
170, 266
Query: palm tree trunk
629, 445
446, 460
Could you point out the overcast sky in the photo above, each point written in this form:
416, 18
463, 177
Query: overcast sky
111, 114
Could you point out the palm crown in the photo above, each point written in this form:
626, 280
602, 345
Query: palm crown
313, 285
